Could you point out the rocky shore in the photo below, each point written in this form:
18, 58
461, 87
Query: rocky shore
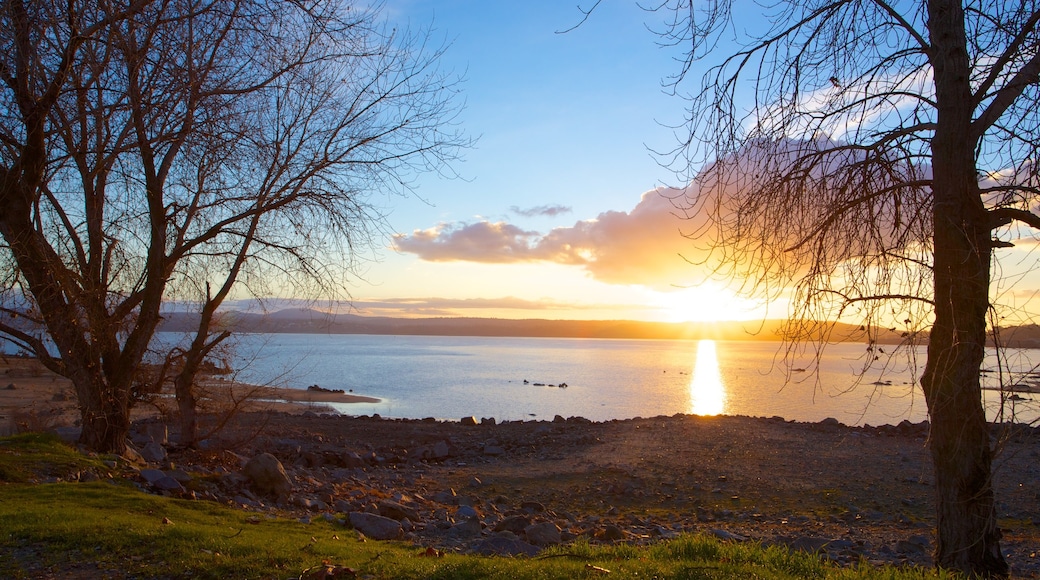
849, 493
478, 485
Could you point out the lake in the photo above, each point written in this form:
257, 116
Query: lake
521, 378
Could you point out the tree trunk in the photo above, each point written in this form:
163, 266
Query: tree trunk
105, 415
186, 404
968, 537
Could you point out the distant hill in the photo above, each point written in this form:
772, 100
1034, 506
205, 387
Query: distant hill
305, 321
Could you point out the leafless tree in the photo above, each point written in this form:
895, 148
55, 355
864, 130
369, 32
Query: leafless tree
869, 154
193, 150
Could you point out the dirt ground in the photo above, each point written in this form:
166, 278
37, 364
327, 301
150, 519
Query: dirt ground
866, 489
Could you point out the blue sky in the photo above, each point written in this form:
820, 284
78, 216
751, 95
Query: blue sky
555, 213
549, 218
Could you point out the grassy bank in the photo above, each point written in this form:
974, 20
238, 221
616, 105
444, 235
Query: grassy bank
108, 528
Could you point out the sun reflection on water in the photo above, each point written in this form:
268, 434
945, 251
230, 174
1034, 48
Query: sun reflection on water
707, 393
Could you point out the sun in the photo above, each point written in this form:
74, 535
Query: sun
707, 302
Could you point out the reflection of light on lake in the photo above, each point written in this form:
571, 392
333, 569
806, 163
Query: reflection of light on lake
707, 393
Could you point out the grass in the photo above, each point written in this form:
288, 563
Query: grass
105, 529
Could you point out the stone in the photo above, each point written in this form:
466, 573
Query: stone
514, 524
169, 484
469, 421
153, 452
440, 450
397, 511
543, 534
470, 528
268, 476
487, 421
376, 526
132, 456
352, 459
532, 507
505, 546
180, 475
152, 475
466, 512
161, 481
493, 450
314, 504
611, 533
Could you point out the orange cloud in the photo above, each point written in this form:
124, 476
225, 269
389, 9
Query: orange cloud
644, 246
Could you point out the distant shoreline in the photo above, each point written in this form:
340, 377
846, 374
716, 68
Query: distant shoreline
307, 321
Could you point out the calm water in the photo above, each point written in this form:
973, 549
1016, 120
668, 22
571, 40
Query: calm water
453, 377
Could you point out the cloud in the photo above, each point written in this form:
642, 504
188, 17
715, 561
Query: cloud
484, 241
643, 246
541, 210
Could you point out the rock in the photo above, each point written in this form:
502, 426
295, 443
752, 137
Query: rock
493, 450
441, 450
487, 421
180, 475
505, 546
268, 476
469, 528
132, 456
543, 534
466, 512
448, 497
310, 503
514, 524
532, 507
469, 421
808, 544
375, 526
159, 480
153, 452
611, 533
396, 511
152, 475
830, 422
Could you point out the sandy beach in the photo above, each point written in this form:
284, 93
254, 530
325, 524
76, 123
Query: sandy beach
32, 397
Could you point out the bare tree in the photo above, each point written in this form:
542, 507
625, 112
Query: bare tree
867, 153
194, 150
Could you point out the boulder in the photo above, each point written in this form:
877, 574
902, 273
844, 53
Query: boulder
153, 452
470, 528
396, 511
268, 476
375, 526
514, 524
543, 534
505, 546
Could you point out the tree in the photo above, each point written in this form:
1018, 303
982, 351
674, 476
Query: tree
192, 150
867, 153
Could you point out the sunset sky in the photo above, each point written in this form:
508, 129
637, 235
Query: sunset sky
556, 212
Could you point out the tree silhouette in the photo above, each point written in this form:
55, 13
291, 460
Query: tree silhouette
188, 151
867, 154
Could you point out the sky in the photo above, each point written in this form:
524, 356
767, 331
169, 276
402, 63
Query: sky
555, 212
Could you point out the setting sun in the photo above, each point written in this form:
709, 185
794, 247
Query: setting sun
707, 302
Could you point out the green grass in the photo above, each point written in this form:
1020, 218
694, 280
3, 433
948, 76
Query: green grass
102, 529
34, 455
